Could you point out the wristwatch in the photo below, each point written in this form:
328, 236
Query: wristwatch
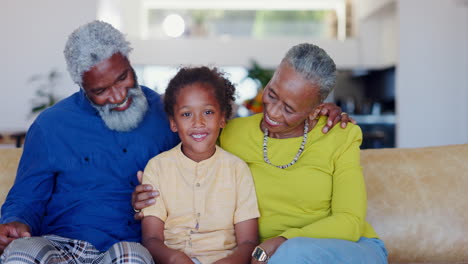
260, 254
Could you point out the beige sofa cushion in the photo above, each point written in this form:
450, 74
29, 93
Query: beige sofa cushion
418, 202
9, 159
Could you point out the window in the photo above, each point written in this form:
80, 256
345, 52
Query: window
254, 24
153, 19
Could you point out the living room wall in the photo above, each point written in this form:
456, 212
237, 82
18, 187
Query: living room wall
33, 37
432, 59
432, 79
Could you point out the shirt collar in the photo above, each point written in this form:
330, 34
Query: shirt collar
189, 162
84, 102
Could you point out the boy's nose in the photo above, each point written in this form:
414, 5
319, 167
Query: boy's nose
199, 120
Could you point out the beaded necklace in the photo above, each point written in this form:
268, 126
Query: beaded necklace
265, 148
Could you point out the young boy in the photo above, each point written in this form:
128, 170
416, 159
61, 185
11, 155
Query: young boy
207, 209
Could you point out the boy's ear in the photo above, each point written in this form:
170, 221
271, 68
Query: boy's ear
173, 124
222, 122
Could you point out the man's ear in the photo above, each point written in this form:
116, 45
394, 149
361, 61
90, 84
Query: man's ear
316, 112
173, 124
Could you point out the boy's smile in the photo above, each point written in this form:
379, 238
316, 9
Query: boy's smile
197, 119
199, 137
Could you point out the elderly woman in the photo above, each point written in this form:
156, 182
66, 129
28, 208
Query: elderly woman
310, 187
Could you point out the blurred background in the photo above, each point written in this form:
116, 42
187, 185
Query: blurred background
403, 64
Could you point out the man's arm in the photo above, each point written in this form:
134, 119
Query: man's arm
247, 240
153, 240
33, 185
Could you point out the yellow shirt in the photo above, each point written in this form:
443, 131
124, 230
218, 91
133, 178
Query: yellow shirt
201, 202
323, 195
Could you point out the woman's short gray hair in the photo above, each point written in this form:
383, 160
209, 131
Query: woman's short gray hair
91, 44
314, 64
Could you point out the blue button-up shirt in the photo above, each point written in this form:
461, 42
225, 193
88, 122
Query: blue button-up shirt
76, 176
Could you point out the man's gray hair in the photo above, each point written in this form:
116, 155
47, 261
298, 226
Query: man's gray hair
90, 44
314, 64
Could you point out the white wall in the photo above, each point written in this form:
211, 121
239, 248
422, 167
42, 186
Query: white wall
234, 52
33, 37
432, 74
377, 27
372, 7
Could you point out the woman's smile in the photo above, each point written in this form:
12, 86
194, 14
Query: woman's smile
271, 122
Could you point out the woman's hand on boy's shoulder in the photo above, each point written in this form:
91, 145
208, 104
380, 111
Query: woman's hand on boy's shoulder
335, 116
142, 197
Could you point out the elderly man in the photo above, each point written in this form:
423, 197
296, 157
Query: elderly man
73, 188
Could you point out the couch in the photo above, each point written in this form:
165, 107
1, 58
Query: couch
417, 200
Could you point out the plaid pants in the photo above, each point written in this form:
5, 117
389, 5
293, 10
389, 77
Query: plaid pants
53, 249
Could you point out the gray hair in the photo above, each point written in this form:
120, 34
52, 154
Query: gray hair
90, 44
314, 64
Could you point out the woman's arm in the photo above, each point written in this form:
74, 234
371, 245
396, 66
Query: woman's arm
247, 239
349, 201
269, 246
153, 240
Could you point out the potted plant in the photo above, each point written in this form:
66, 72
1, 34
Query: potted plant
261, 76
45, 95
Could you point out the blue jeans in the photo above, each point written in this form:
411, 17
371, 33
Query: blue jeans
316, 250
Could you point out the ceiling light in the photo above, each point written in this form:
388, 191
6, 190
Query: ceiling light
174, 25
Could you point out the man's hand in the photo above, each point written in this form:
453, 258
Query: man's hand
142, 197
270, 246
335, 115
11, 231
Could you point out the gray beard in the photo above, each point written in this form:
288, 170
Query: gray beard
126, 120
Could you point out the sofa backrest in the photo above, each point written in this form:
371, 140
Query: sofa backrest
418, 202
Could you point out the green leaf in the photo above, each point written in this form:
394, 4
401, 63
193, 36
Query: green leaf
39, 108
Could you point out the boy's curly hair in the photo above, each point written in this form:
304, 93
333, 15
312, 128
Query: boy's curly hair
223, 88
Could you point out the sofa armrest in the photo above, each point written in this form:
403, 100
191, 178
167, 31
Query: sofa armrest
418, 202
9, 160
